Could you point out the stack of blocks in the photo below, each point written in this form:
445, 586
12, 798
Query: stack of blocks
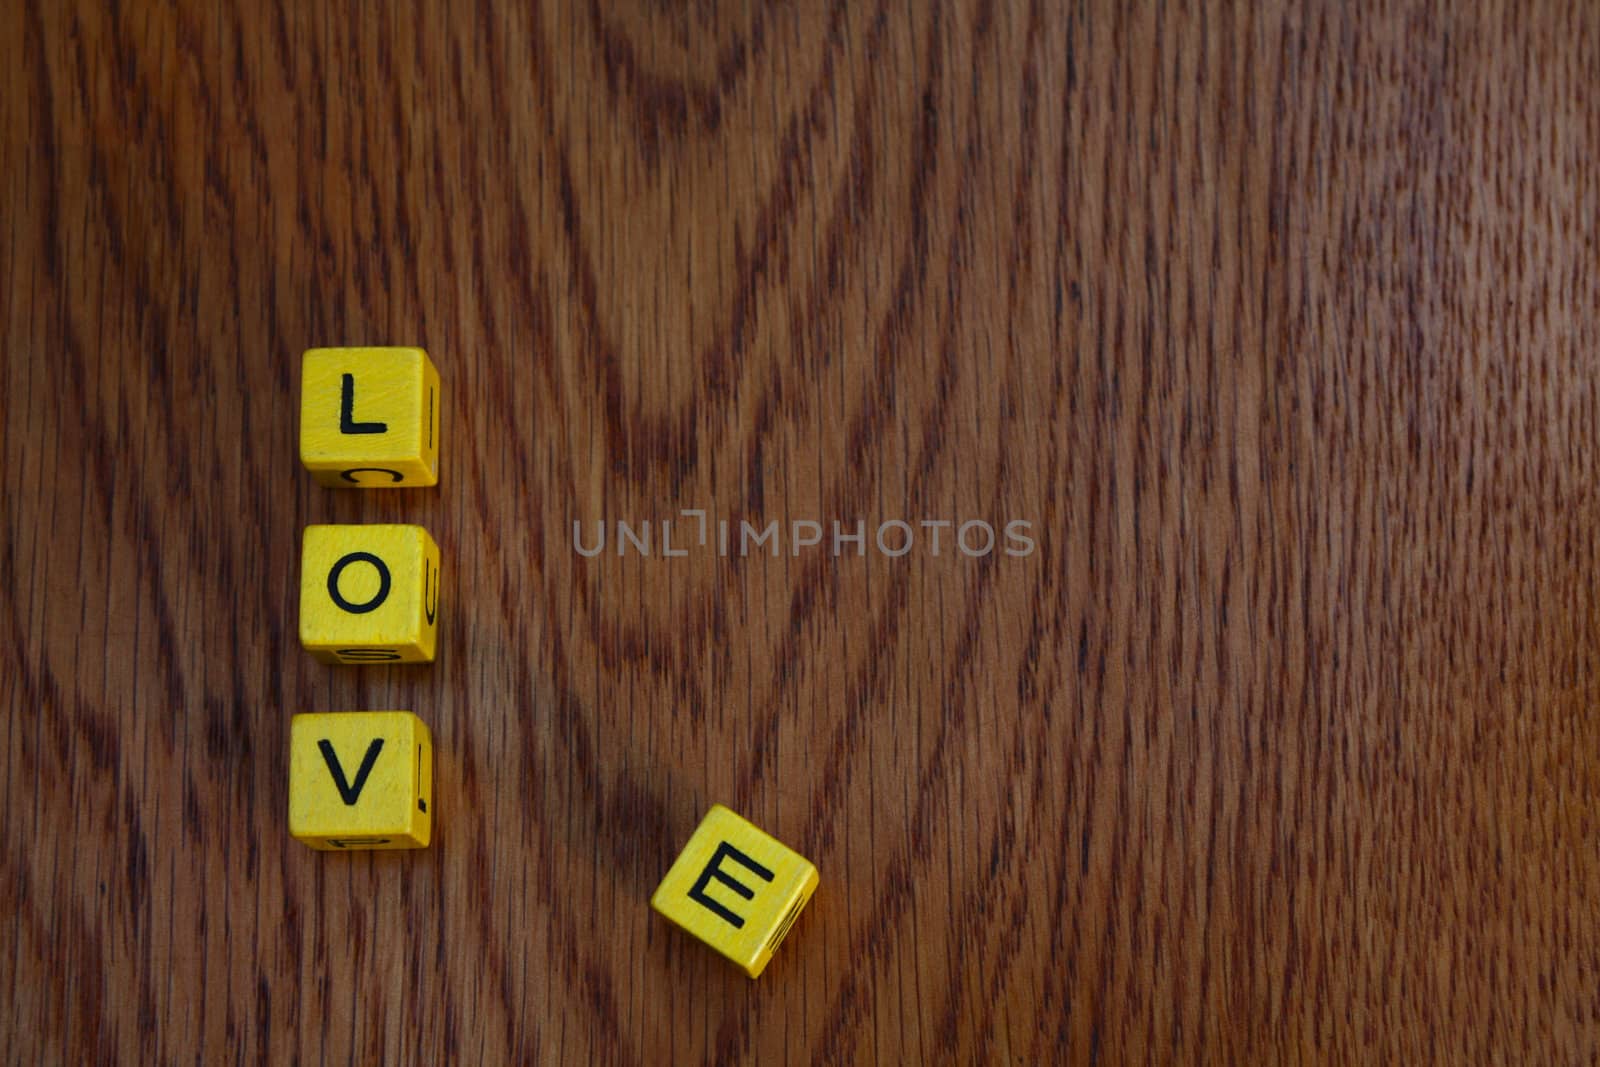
369, 418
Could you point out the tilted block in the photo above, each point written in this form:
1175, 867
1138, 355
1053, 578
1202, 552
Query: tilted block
736, 888
369, 594
360, 780
369, 417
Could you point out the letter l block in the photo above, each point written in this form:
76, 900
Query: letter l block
369, 417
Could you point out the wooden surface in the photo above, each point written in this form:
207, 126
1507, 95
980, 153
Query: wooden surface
1282, 328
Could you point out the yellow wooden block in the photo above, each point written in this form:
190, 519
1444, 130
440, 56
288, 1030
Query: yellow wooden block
736, 888
360, 780
369, 594
369, 417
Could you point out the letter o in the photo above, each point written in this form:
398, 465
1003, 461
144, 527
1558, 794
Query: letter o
904, 548
338, 569
961, 537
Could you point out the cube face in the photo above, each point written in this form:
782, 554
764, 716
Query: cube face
360, 780
736, 888
369, 417
369, 594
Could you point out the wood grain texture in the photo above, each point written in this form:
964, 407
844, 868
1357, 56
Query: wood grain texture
1281, 325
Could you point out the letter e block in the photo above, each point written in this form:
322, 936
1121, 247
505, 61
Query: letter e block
360, 780
736, 889
369, 417
369, 594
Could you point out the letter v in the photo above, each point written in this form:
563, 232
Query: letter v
351, 792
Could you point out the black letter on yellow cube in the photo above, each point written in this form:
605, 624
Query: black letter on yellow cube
369, 594
360, 780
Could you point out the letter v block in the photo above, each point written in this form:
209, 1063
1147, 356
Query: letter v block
360, 780
736, 889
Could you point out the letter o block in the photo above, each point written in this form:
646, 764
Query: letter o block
369, 594
369, 417
736, 889
360, 780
